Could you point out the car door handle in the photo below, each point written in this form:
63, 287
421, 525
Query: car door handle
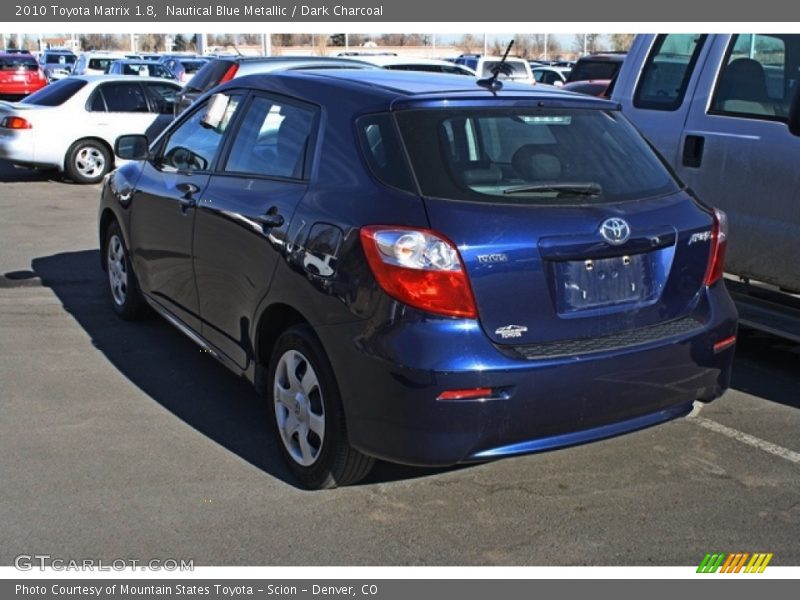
187, 199
693, 150
187, 189
272, 218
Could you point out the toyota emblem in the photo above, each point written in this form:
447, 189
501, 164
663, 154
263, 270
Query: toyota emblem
615, 231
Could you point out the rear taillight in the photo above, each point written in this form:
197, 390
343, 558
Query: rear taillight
719, 241
230, 73
15, 123
420, 268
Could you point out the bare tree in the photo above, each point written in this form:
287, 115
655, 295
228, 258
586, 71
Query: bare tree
525, 45
151, 42
621, 41
401, 39
468, 43
356, 39
320, 44
590, 42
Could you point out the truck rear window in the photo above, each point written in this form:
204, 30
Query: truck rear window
531, 156
594, 69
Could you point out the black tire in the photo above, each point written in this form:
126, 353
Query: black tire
123, 288
87, 161
330, 461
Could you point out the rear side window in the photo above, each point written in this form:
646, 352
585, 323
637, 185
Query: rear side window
531, 156
666, 74
123, 97
272, 140
56, 93
162, 97
382, 150
758, 77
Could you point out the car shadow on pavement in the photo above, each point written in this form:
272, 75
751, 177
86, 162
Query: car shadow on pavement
767, 366
174, 372
11, 174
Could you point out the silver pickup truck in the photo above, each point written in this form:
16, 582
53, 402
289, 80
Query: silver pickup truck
724, 110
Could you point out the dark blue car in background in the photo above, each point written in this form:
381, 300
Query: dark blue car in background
415, 268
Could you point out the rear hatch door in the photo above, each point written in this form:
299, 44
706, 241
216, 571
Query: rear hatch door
568, 225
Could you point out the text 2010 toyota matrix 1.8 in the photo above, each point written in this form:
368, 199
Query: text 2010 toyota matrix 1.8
424, 268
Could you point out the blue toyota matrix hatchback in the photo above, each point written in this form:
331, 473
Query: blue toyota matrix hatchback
417, 268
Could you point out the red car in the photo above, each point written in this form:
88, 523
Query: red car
20, 75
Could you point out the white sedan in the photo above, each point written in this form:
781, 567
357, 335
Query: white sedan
72, 124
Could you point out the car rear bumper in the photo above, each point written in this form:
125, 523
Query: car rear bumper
390, 376
16, 145
19, 90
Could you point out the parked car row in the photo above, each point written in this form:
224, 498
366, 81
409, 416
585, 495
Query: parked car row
20, 76
60, 63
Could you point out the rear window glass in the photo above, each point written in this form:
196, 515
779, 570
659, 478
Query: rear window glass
531, 156
15, 63
56, 93
193, 66
59, 59
100, 64
209, 75
594, 69
510, 67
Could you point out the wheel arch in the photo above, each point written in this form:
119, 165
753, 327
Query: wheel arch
273, 321
90, 138
107, 217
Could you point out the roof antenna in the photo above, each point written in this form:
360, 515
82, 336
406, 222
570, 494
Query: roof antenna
491, 83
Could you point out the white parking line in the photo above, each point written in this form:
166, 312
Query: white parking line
746, 438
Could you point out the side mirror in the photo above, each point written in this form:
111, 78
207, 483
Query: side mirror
132, 147
794, 111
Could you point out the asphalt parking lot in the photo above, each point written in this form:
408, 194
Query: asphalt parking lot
122, 440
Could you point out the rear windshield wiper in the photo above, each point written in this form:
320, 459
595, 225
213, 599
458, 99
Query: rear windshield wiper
588, 188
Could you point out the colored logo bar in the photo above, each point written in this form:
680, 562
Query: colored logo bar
735, 563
